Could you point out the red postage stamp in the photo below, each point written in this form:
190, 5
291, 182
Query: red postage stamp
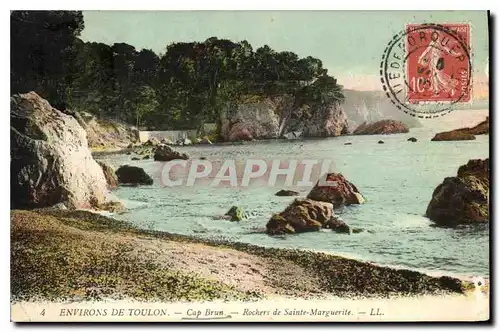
438, 65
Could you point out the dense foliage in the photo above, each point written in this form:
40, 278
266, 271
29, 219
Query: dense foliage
185, 87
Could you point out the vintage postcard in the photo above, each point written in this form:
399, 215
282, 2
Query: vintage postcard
250, 166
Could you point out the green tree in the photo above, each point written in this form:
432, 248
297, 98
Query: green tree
43, 52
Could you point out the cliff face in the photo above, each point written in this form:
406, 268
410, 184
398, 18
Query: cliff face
275, 117
321, 121
251, 119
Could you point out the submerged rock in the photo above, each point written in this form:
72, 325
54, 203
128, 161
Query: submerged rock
235, 213
50, 159
383, 127
463, 199
412, 139
109, 174
166, 153
380, 142
133, 175
284, 192
342, 192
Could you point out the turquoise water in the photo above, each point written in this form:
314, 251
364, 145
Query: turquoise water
397, 178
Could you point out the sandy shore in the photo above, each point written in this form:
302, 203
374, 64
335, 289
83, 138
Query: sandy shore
78, 255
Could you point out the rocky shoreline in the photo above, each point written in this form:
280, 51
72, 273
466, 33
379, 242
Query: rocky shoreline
79, 255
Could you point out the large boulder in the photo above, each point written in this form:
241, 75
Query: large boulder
109, 174
383, 127
133, 175
464, 134
303, 215
339, 192
50, 159
463, 199
166, 153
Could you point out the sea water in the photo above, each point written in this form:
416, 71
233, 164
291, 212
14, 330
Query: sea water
397, 179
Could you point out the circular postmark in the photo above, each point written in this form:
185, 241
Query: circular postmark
426, 69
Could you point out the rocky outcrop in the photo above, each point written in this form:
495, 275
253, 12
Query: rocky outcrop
105, 133
481, 128
250, 119
320, 121
109, 174
303, 215
279, 116
285, 192
133, 175
463, 199
383, 127
464, 134
307, 215
50, 159
454, 136
339, 192
316, 211
166, 153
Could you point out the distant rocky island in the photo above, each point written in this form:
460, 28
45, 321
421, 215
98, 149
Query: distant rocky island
464, 134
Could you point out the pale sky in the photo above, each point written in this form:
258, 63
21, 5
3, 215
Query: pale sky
349, 43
